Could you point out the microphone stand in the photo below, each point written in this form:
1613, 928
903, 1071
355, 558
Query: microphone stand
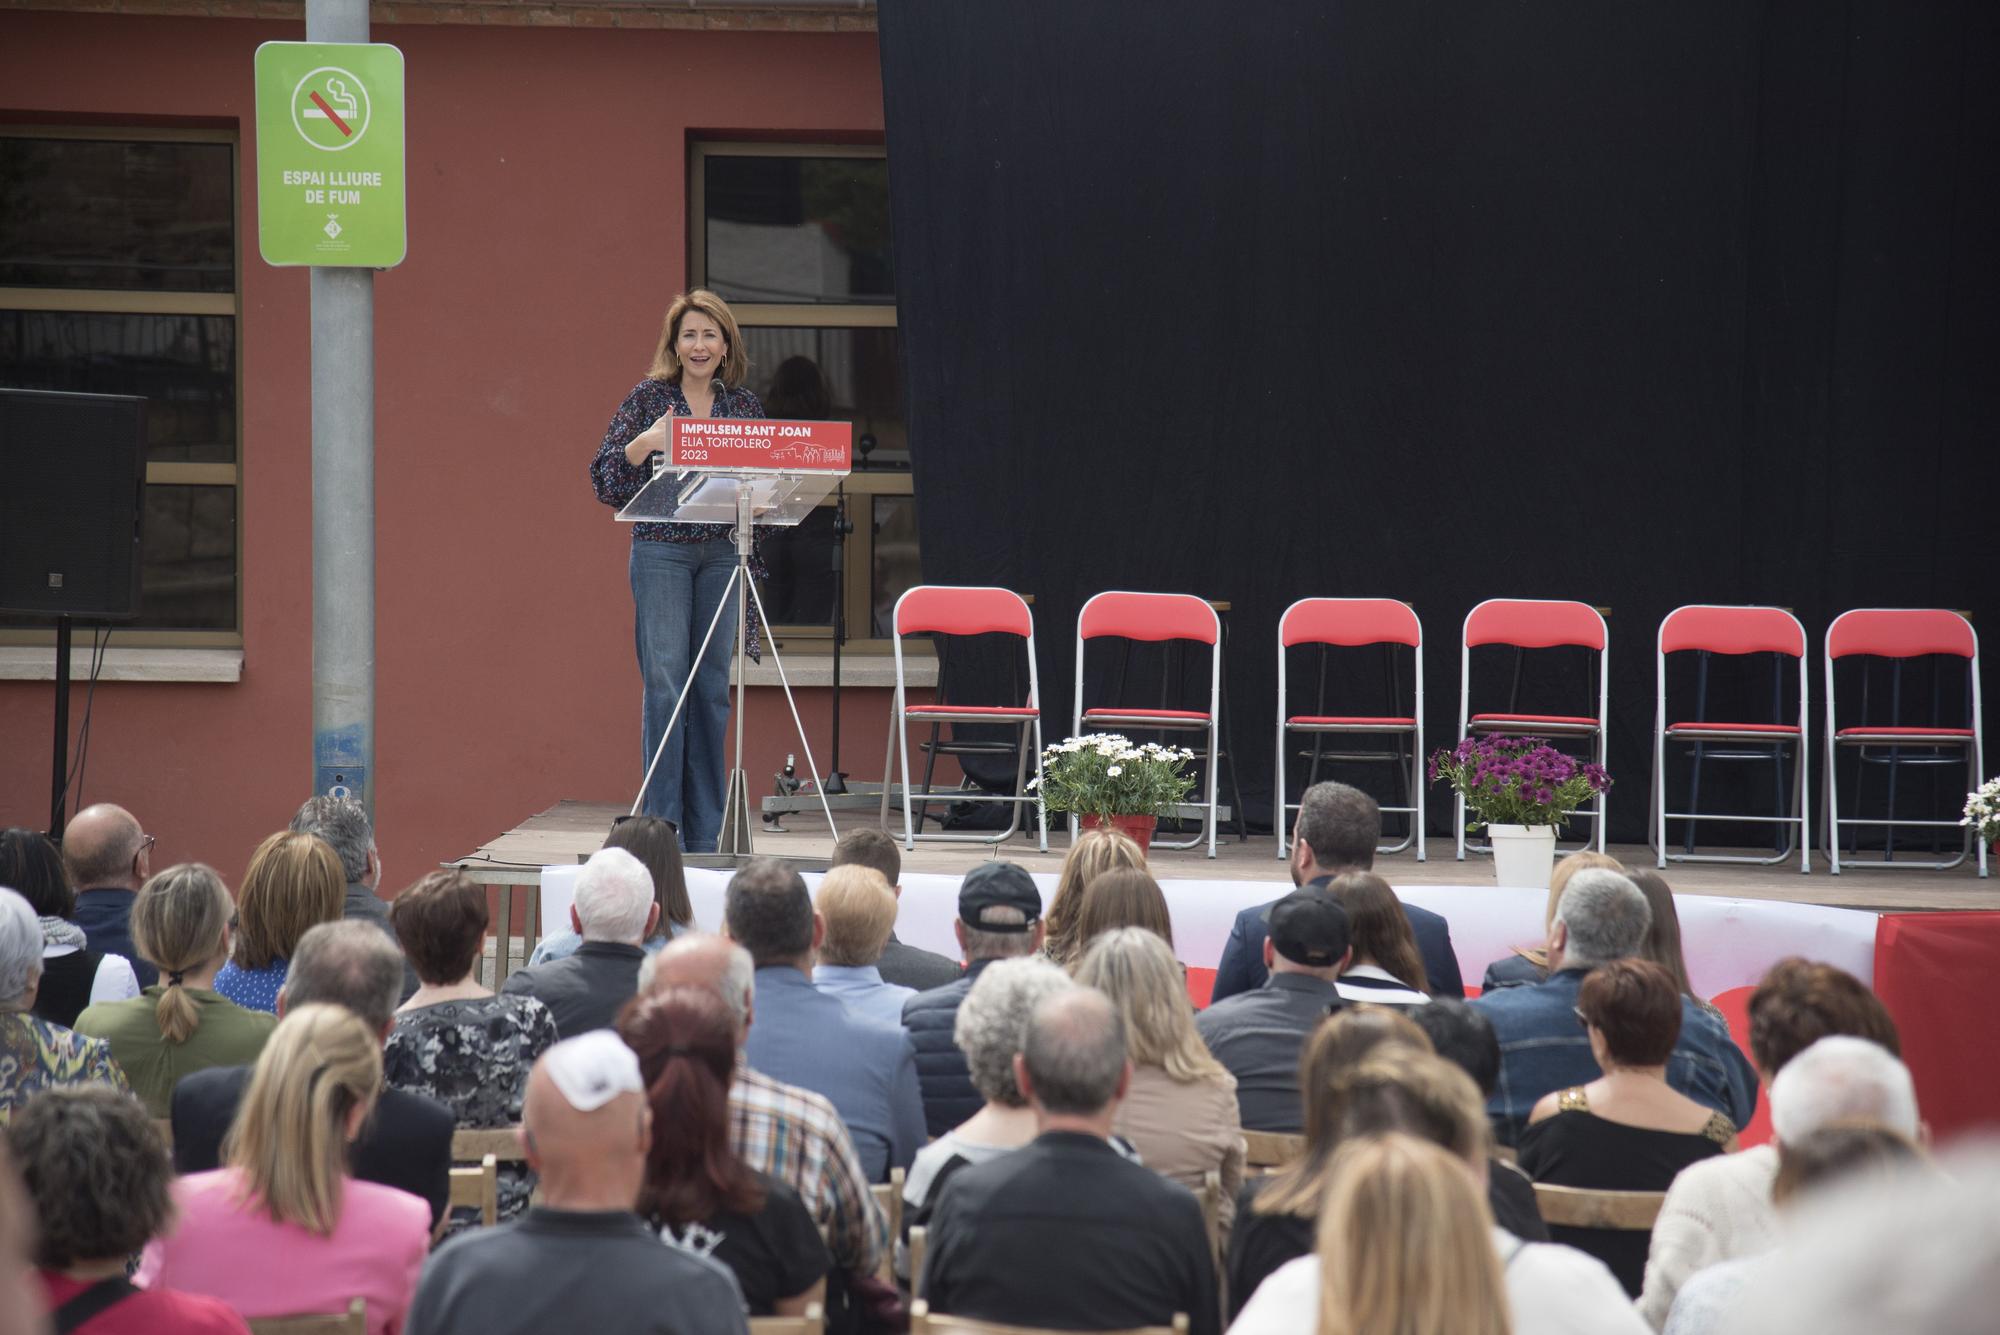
835, 781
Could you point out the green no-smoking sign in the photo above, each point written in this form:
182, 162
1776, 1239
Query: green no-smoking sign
330, 154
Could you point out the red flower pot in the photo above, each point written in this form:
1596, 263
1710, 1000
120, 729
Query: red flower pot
1139, 829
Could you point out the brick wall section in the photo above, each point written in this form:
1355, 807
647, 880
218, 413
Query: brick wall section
511, 13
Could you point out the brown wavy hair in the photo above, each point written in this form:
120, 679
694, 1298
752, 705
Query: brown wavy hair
294, 884
735, 368
686, 1041
1127, 897
1094, 853
1378, 928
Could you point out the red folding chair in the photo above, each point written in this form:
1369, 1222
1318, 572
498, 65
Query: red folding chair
1355, 623
1707, 630
1900, 634
939, 609
1156, 617
1534, 623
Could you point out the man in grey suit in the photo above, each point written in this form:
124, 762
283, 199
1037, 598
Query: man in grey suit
614, 912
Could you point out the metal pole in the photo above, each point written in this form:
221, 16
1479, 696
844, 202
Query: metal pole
343, 515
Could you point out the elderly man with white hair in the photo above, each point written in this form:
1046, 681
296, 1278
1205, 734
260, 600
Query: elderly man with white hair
1602, 917
35, 1054
614, 913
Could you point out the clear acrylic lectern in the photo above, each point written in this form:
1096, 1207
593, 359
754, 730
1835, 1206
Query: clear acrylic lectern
743, 494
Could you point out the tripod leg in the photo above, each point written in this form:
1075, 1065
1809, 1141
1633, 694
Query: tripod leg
797, 722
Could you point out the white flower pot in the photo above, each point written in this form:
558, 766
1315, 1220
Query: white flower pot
1523, 855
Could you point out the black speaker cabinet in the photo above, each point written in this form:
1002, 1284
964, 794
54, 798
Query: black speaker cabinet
72, 489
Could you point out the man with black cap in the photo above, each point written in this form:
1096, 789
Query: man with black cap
1259, 1035
999, 917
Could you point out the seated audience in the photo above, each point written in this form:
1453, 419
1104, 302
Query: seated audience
1276, 1214
34, 1054
454, 1041
1464, 1037
902, 964
1841, 1154
22, 1301
100, 1182
655, 843
1386, 969
73, 975
109, 857
1720, 1209
293, 885
999, 917
991, 1027
282, 1229
1530, 964
699, 1193
1404, 1245
1627, 1130
343, 823
180, 919
580, 1259
1064, 1231
614, 912
868, 1068
1398, 1090
1543, 1047
406, 1143
1124, 897
1180, 1111
791, 1134
1258, 1035
1336, 832
859, 911
1916, 1253
1091, 854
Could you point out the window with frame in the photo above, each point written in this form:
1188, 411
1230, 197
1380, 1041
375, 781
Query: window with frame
795, 237
118, 275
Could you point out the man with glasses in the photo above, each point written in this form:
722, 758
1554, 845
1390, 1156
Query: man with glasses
109, 857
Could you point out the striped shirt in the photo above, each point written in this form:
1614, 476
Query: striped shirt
796, 1136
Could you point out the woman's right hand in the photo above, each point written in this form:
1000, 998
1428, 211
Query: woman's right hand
652, 438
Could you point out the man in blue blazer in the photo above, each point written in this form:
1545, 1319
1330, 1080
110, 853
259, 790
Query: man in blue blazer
1337, 831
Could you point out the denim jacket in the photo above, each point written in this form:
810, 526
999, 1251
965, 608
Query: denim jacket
1543, 1048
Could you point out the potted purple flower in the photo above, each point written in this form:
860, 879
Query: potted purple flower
1521, 789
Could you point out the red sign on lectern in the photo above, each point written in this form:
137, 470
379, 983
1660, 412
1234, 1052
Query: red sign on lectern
760, 445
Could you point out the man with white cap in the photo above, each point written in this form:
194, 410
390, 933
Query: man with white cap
580, 1259
614, 913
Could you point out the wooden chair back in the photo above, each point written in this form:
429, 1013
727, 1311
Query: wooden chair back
1585, 1207
923, 1321
920, 1245
473, 1144
812, 1323
354, 1321
1210, 1197
475, 1188
889, 1200
165, 1126
1266, 1150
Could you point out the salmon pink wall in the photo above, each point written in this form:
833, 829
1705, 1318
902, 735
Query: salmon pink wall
547, 197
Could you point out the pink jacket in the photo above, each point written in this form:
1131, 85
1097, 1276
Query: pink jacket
234, 1251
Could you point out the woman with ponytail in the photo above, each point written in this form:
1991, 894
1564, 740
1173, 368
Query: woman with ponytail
181, 1024
282, 1229
698, 1193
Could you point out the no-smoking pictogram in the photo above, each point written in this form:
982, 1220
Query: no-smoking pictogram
330, 108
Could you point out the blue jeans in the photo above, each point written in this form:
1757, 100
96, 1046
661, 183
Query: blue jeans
675, 589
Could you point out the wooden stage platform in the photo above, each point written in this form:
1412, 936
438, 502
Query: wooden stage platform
571, 830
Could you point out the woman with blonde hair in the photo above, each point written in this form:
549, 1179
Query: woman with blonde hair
1123, 897
1405, 1247
1094, 853
295, 883
181, 1024
679, 571
1181, 1112
1530, 964
282, 1228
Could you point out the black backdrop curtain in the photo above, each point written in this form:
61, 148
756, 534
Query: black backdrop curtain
1639, 304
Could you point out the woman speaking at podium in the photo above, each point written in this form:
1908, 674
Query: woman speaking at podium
680, 571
